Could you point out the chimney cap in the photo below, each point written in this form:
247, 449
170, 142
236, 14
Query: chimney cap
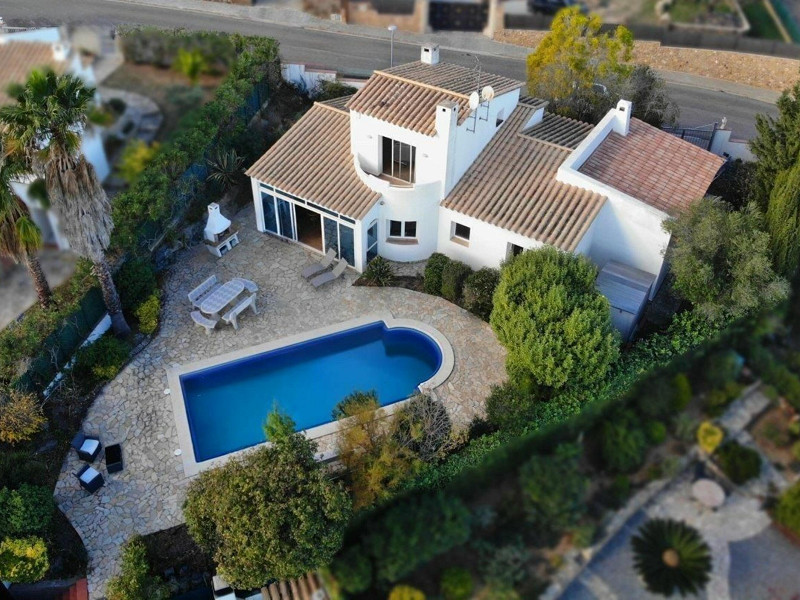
429, 54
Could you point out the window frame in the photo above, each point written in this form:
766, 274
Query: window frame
455, 235
395, 166
403, 235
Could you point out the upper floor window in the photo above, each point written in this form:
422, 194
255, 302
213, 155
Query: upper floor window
399, 160
403, 229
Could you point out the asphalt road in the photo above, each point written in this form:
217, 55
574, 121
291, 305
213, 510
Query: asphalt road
699, 106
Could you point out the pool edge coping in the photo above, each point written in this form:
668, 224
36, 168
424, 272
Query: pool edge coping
192, 467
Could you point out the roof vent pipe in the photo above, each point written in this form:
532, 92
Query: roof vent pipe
430, 54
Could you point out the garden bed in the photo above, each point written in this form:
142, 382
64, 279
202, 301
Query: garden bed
771, 432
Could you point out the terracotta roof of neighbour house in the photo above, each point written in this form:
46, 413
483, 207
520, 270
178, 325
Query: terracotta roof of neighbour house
512, 184
313, 160
560, 131
407, 95
654, 166
18, 59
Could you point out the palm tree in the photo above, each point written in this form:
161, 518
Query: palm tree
20, 238
46, 124
670, 556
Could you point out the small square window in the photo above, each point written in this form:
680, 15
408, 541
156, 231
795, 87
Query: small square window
395, 228
461, 231
411, 229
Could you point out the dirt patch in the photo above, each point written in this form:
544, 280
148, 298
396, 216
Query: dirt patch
167, 88
768, 72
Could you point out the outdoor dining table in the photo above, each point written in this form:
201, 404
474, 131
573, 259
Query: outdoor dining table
221, 297
708, 492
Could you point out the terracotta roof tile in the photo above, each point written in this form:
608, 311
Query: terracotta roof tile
558, 130
18, 59
313, 160
512, 184
654, 166
407, 95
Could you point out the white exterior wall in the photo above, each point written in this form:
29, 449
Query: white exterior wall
488, 245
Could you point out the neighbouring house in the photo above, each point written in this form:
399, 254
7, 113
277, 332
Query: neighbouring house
20, 53
430, 157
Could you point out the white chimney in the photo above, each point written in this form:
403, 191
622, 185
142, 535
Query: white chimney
216, 223
60, 52
430, 54
622, 118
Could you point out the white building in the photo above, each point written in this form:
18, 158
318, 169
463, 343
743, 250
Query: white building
20, 53
411, 164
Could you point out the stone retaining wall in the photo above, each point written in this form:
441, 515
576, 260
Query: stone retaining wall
766, 72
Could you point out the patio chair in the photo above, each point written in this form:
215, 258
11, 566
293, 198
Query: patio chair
87, 447
203, 321
114, 458
201, 291
250, 286
329, 276
231, 317
90, 479
319, 267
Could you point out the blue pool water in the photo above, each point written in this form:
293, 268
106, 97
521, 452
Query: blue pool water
227, 404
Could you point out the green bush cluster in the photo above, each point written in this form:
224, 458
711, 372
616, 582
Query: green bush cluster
135, 582
717, 400
478, 294
624, 443
147, 313
406, 592
721, 367
100, 361
739, 463
21, 467
456, 584
23, 560
401, 539
787, 510
453, 278
379, 272
774, 372
26, 510
159, 47
662, 397
432, 279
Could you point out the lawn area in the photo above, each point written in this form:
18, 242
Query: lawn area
167, 88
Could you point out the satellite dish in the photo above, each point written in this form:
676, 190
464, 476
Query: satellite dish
487, 93
474, 100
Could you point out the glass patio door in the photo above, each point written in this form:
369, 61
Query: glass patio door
285, 219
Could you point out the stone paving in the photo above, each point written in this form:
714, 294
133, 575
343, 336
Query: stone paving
134, 410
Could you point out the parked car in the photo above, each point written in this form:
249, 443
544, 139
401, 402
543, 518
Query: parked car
551, 7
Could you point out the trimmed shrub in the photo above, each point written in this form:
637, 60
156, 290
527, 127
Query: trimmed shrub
352, 570
456, 584
21, 416
683, 391
147, 314
135, 581
379, 272
787, 511
406, 592
23, 560
624, 445
453, 278
509, 408
432, 282
709, 436
656, 432
504, 566
135, 281
553, 489
402, 540
479, 290
101, 360
26, 510
739, 463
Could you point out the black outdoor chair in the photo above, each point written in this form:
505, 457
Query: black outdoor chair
90, 479
87, 447
114, 458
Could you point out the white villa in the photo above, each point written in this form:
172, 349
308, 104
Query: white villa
20, 53
430, 157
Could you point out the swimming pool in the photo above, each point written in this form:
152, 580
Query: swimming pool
225, 401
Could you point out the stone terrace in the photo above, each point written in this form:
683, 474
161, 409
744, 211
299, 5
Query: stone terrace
134, 410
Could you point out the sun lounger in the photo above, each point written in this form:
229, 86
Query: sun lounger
197, 295
203, 321
231, 317
318, 267
250, 286
329, 276
87, 447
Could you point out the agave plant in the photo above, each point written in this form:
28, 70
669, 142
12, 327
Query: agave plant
225, 168
670, 556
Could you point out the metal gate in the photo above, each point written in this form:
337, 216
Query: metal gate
699, 136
